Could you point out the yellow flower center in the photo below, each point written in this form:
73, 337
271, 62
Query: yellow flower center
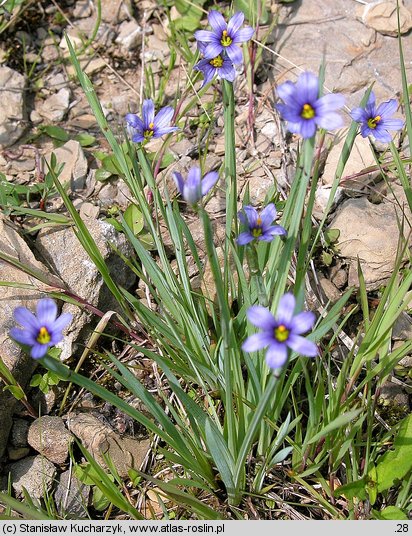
216, 62
44, 336
281, 333
226, 39
149, 132
257, 231
307, 112
373, 121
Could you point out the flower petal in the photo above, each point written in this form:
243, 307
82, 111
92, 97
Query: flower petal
234, 53
204, 36
330, 103
26, 318
192, 190
209, 180
217, 22
38, 350
256, 342
46, 311
286, 309
235, 23
243, 35
213, 50
163, 117
276, 230
307, 128
329, 121
286, 90
227, 71
302, 322
251, 215
302, 346
134, 121
392, 124
381, 135
307, 88
261, 317
138, 137
177, 177
245, 238
359, 115
268, 215
23, 336
158, 132
147, 113
277, 355
61, 322
387, 108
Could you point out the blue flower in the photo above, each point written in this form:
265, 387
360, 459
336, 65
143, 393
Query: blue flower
281, 332
259, 226
41, 331
150, 126
376, 121
220, 66
304, 111
194, 188
224, 38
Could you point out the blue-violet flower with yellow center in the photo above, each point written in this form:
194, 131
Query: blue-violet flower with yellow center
259, 227
194, 188
224, 37
304, 110
41, 331
220, 66
376, 120
150, 126
281, 332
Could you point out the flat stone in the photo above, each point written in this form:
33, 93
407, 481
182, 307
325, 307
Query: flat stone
35, 474
82, 9
55, 107
19, 433
402, 329
12, 110
20, 364
130, 35
17, 453
71, 497
125, 452
62, 250
115, 11
370, 232
383, 17
50, 437
75, 164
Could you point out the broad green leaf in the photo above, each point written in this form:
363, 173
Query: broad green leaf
56, 133
332, 235
103, 174
250, 9
15, 390
109, 164
134, 219
395, 464
353, 489
99, 499
85, 140
390, 513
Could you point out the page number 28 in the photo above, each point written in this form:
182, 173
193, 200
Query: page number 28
402, 527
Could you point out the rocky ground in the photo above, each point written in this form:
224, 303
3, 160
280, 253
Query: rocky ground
39, 93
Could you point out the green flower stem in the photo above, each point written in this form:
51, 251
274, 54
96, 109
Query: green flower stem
251, 433
256, 274
230, 157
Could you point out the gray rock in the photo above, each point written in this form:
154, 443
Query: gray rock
370, 232
17, 453
63, 251
50, 437
19, 433
35, 474
12, 112
82, 9
383, 17
125, 452
402, 329
130, 35
75, 164
55, 107
115, 11
322, 197
393, 394
20, 364
331, 292
72, 497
